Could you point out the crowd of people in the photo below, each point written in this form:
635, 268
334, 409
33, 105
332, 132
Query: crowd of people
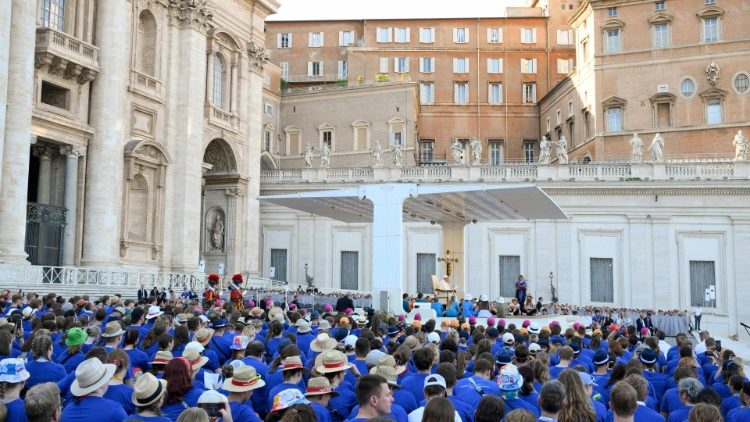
186, 359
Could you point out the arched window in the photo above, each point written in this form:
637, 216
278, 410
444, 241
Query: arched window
217, 99
146, 44
138, 209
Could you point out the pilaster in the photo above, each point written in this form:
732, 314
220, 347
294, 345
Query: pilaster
44, 182
71, 154
5, 7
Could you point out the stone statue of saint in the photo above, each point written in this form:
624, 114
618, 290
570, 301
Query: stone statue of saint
636, 148
656, 150
325, 156
308, 155
476, 151
545, 151
562, 150
217, 234
397, 155
458, 153
740, 146
377, 155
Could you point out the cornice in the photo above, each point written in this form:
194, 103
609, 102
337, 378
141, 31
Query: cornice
647, 191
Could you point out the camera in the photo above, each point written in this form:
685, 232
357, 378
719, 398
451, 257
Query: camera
212, 409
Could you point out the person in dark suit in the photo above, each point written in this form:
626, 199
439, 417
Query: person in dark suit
142, 293
154, 292
644, 320
344, 303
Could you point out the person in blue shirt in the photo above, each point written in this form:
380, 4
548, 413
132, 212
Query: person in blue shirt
658, 380
742, 413
118, 391
671, 400
688, 389
304, 334
254, 357
471, 389
510, 382
148, 396
334, 365
374, 399
292, 370
182, 392
415, 383
566, 357
551, 400
240, 386
89, 387
468, 307
319, 393
732, 402
13, 374
73, 355
528, 392
42, 369
642, 412
437, 307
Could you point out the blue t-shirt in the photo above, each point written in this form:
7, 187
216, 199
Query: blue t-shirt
138, 359
122, 394
342, 405
518, 403
465, 411
321, 413
16, 411
242, 412
405, 399
87, 408
531, 398
729, 404
642, 414
680, 415
260, 395
149, 418
470, 390
415, 385
671, 401
740, 414
44, 371
397, 414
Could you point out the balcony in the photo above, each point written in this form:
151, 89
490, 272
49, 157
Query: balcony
328, 77
64, 55
146, 85
222, 118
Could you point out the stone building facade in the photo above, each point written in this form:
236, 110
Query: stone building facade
133, 136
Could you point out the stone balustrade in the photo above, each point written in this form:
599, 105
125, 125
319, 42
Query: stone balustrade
612, 171
222, 118
145, 84
66, 55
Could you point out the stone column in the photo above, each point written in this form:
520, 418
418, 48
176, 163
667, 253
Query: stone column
101, 228
71, 154
45, 174
17, 130
4, 50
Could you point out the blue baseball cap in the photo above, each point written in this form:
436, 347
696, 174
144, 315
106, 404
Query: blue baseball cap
648, 356
601, 357
504, 356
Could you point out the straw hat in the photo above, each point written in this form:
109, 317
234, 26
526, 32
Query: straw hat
319, 386
389, 360
113, 329
195, 359
256, 312
162, 357
148, 390
322, 343
244, 379
291, 363
273, 312
412, 343
333, 361
302, 326
91, 374
203, 336
387, 372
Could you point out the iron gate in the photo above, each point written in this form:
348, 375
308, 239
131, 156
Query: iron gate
44, 234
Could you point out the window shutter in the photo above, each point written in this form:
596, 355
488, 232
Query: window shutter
310, 39
321, 68
523, 65
322, 38
408, 34
489, 93
421, 64
406, 65
377, 35
390, 34
489, 65
466, 34
278, 40
432, 64
500, 67
455, 93
395, 64
500, 34
432, 34
489, 35
455, 34
533, 35
341, 39
384, 65
467, 65
455, 65
309, 69
290, 40
340, 70
533, 65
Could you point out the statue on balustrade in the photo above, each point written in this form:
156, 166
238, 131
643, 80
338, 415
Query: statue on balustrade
476, 151
458, 153
562, 150
397, 154
308, 155
656, 150
636, 148
740, 146
325, 156
545, 151
377, 155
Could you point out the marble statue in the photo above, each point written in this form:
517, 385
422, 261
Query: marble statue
656, 150
217, 234
740, 146
562, 150
636, 147
458, 153
545, 150
713, 71
476, 151
325, 156
377, 155
308, 155
397, 155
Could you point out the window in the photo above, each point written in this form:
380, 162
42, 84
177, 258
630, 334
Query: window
529, 92
659, 5
146, 39
346, 38
585, 50
361, 134
528, 35
54, 95
460, 35
426, 151
383, 67
384, 35
614, 119
293, 141
496, 152
558, 117
602, 280
278, 264
426, 263
660, 35
741, 82
612, 40
396, 131
565, 66
316, 40
711, 29
268, 109
284, 40
342, 70
401, 64
570, 108
713, 112
529, 154
611, 11
53, 14
565, 36
528, 65
326, 137
461, 65
426, 64
267, 137
571, 125
494, 35
461, 92
314, 68
710, 2
284, 70
663, 114
509, 267
494, 65
401, 35
217, 97
687, 87
427, 35
350, 270
426, 92
549, 124
495, 93
702, 279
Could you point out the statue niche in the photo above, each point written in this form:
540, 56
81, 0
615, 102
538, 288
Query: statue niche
215, 224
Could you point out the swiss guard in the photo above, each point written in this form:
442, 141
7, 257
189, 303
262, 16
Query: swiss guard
211, 295
235, 294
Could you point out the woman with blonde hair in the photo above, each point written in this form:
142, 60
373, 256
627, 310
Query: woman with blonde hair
578, 407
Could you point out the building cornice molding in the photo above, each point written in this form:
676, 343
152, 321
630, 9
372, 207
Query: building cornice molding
646, 191
191, 14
